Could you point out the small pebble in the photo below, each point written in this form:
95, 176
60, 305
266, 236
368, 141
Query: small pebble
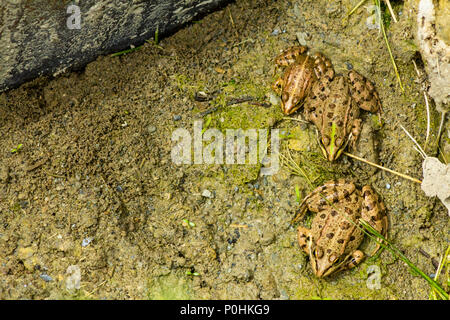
388, 186
207, 194
349, 65
73, 277
151, 129
86, 242
275, 32
274, 99
301, 38
119, 188
176, 117
46, 277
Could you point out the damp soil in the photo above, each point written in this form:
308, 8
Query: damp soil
93, 184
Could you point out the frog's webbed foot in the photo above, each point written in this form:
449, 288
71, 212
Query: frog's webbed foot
374, 212
331, 192
289, 55
303, 236
364, 93
323, 68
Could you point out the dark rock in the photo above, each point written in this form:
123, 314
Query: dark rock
68, 36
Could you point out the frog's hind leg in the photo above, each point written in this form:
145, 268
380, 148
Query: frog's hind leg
364, 93
374, 212
289, 55
323, 68
330, 192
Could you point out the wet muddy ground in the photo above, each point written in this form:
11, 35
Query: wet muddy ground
94, 186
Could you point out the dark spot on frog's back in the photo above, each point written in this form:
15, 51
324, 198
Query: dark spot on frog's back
345, 225
333, 213
330, 235
340, 241
348, 211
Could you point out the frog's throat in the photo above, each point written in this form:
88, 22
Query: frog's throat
341, 265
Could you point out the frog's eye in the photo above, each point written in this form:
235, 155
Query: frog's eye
338, 141
319, 253
284, 96
326, 140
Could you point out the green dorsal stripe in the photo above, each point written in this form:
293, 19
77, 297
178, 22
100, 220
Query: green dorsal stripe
333, 136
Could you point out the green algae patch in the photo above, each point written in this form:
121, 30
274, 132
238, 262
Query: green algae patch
303, 157
241, 118
365, 282
342, 289
170, 287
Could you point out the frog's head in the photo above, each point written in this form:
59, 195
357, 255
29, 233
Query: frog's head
327, 262
290, 102
333, 145
324, 263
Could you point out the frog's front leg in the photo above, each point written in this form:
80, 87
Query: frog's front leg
303, 236
356, 131
289, 55
364, 93
355, 259
374, 212
323, 68
331, 192
278, 86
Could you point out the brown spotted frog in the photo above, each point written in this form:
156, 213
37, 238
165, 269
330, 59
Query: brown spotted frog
333, 240
331, 103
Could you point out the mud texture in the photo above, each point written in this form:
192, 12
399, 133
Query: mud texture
93, 185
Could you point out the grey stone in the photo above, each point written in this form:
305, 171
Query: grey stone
207, 194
